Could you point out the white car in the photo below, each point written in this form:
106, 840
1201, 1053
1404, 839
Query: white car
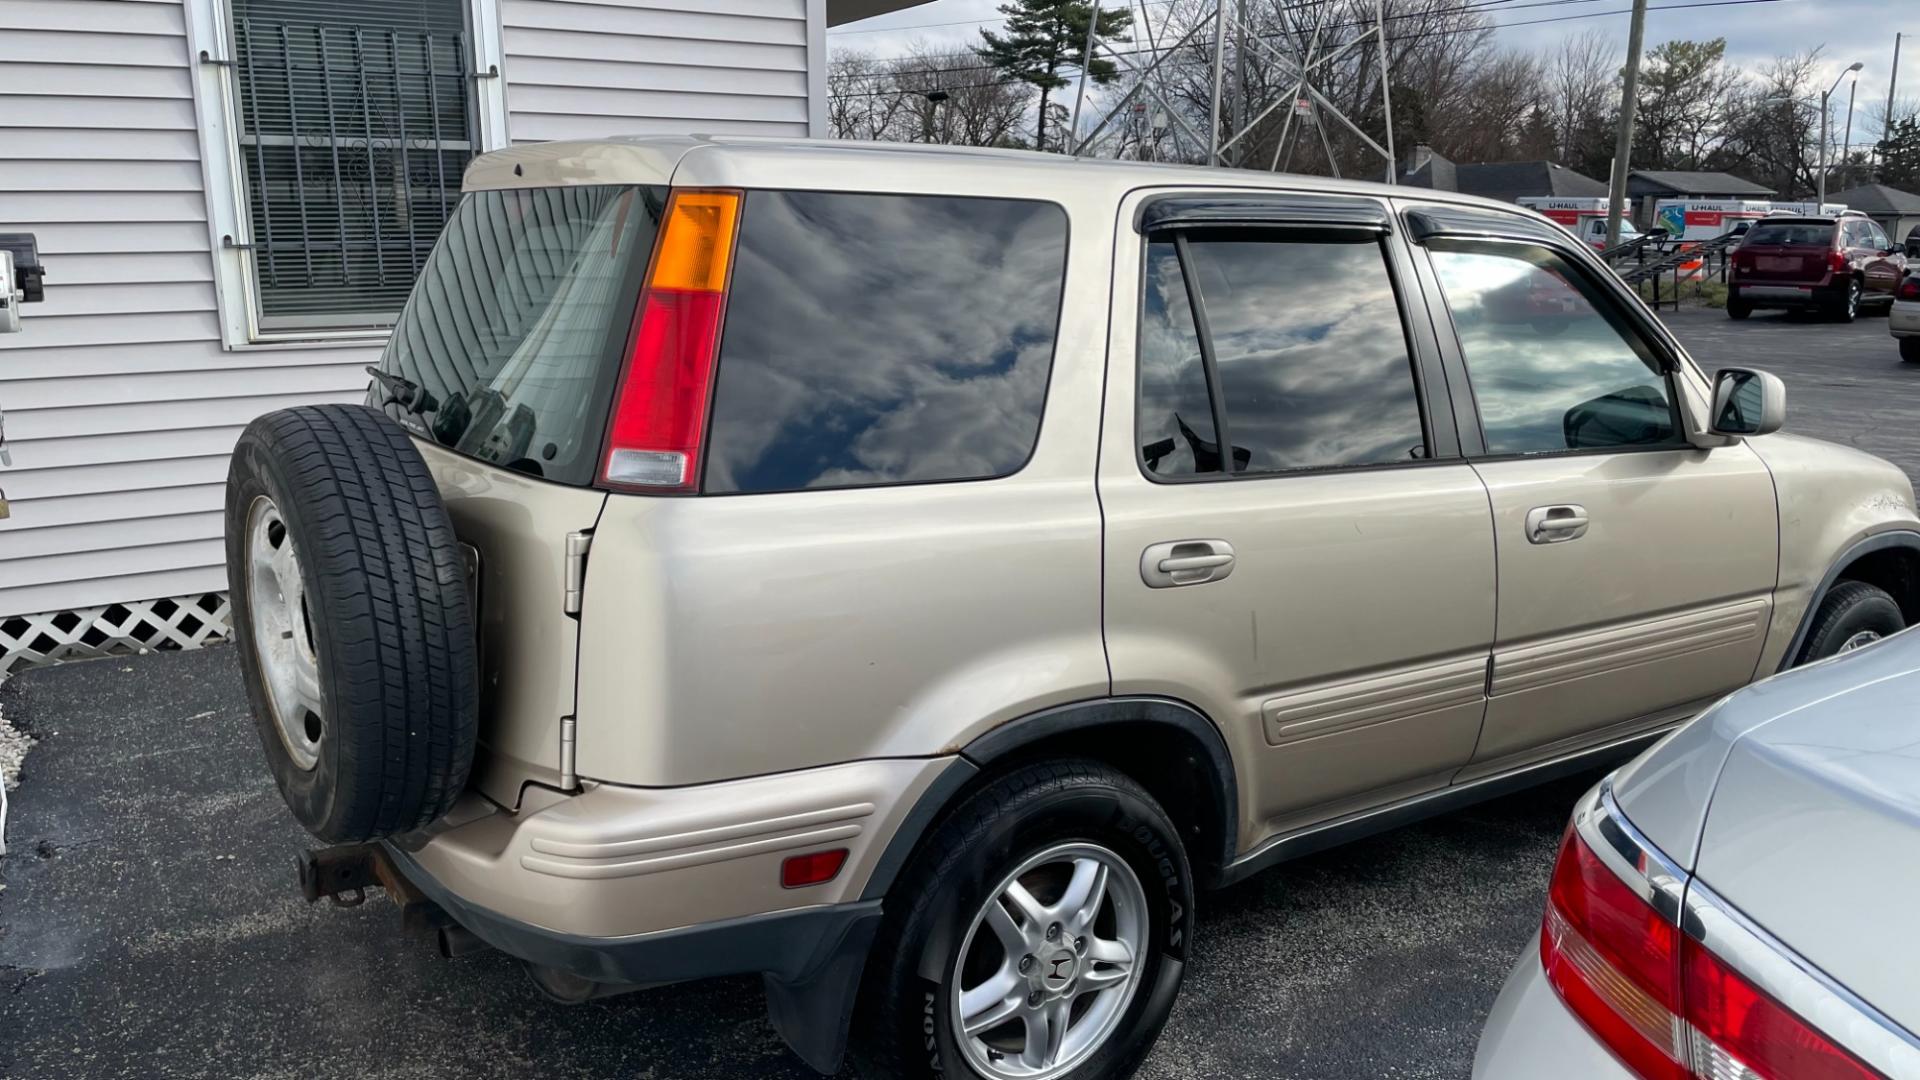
1903, 318
1742, 902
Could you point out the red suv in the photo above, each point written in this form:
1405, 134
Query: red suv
1821, 263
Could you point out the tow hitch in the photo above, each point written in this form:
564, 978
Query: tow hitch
343, 875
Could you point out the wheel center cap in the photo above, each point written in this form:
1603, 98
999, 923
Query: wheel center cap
1058, 969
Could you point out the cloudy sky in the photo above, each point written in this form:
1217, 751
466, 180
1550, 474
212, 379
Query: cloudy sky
1851, 30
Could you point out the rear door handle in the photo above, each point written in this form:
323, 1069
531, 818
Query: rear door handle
1556, 524
1185, 562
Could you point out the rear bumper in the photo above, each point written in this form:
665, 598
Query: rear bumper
1785, 296
1903, 319
788, 945
1531, 1034
617, 862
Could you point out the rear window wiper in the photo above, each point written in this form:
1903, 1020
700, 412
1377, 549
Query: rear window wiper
404, 392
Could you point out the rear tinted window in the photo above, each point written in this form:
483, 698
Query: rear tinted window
516, 327
1309, 352
884, 339
1791, 233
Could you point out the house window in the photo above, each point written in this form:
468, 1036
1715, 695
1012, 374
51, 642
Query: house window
355, 121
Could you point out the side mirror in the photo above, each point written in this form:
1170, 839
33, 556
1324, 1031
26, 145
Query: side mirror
1747, 402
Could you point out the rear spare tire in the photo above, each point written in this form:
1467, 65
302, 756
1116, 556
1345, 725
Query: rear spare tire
352, 617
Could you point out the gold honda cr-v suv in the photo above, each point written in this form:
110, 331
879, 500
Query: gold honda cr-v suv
914, 575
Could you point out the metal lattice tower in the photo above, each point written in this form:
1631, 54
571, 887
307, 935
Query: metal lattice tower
1150, 89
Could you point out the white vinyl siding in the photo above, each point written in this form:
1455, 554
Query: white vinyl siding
120, 404
121, 399
578, 69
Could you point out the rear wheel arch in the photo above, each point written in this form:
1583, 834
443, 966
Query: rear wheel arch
1888, 561
1169, 747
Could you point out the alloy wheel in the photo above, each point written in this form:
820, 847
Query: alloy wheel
1859, 640
1042, 989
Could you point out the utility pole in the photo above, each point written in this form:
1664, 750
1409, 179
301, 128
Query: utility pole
1623, 142
1893, 80
1241, 109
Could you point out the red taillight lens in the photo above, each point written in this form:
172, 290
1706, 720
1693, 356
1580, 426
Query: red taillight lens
660, 408
1736, 1025
816, 868
1665, 1006
1837, 260
1615, 962
1910, 289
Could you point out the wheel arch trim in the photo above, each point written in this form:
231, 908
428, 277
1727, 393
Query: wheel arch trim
1008, 738
1906, 539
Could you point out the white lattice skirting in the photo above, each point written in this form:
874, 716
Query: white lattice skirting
140, 626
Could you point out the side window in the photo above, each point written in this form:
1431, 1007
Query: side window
1175, 411
1877, 237
884, 339
1554, 365
1309, 356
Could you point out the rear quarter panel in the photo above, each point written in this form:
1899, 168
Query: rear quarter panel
734, 635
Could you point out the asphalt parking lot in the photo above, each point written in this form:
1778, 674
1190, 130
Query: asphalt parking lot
150, 925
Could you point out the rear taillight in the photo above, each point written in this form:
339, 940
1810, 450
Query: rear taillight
1666, 1006
1837, 261
1743, 260
1909, 289
660, 407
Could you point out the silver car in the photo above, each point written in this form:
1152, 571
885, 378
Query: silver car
1903, 318
1739, 902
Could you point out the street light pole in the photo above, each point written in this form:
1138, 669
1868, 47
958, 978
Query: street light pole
1820, 198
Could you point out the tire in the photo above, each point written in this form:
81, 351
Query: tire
906, 1024
353, 621
1738, 310
1910, 350
1851, 611
1847, 307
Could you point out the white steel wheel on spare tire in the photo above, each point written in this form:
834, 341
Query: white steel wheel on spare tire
352, 618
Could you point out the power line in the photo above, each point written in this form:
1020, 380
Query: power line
1391, 40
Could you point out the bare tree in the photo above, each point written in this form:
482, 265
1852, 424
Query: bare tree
862, 100
953, 98
926, 94
1582, 96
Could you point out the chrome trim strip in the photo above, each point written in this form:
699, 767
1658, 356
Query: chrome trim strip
1805, 990
1626, 850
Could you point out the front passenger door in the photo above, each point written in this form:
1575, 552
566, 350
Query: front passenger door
1635, 570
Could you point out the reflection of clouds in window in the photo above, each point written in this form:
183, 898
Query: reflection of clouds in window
1549, 371
1311, 352
1175, 416
882, 339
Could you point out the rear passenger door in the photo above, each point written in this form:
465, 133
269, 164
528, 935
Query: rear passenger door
1293, 543
1636, 571
1880, 271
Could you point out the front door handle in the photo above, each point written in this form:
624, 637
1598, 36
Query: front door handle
1556, 524
1185, 562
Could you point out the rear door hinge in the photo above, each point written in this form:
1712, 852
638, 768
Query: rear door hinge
576, 572
569, 774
